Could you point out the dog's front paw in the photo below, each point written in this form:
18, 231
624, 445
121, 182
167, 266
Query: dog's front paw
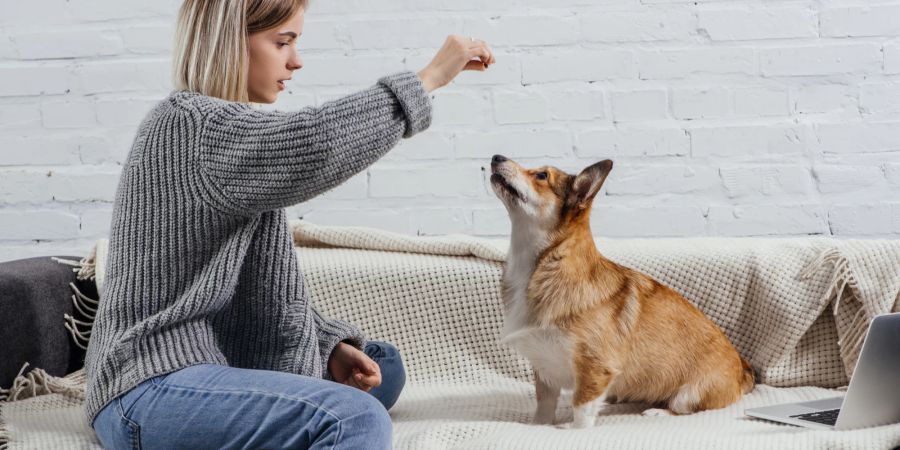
577, 424
544, 419
657, 412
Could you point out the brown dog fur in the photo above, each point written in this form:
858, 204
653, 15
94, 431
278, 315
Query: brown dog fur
631, 338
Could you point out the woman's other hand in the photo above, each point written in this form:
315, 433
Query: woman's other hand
349, 365
457, 54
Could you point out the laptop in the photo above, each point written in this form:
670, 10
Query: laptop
872, 398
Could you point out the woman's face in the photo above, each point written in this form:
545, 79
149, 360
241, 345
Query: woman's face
273, 58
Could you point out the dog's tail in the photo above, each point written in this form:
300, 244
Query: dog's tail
748, 378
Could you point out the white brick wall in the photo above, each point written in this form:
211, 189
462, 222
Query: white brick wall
724, 117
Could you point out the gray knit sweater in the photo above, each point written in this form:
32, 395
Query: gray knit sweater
201, 267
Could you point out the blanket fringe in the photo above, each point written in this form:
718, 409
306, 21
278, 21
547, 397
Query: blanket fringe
4, 432
842, 293
85, 268
38, 382
80, 330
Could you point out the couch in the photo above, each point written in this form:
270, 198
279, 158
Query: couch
793, 307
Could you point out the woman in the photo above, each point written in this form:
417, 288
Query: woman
205, 337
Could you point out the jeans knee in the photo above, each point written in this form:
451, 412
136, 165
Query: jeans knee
371, 420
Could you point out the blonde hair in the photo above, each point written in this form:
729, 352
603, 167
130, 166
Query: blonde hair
211, 53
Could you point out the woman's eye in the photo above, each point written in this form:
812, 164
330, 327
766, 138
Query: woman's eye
541, 175
282, 44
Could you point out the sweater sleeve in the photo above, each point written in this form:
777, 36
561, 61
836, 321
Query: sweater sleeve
253, 160
330, 333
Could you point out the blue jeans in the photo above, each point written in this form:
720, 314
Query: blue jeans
212, 406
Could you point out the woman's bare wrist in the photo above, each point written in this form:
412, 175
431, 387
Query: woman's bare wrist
427, 82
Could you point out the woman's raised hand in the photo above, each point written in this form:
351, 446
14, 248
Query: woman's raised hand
457, 54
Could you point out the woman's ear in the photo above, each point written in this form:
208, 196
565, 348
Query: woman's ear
589, 182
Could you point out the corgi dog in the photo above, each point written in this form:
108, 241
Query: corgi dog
589, 325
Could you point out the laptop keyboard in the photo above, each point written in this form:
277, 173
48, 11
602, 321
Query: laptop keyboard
828, 417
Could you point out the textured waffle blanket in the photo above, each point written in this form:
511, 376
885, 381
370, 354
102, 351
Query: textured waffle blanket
797, 309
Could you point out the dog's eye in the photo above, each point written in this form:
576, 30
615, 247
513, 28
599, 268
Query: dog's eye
541, 175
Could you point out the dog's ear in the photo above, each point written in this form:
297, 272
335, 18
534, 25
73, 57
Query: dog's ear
588, 183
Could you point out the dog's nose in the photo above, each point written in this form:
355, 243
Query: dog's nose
497, 159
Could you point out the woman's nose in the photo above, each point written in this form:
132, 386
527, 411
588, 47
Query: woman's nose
295, 63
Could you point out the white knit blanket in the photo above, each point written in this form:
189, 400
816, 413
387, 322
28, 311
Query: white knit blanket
438, 300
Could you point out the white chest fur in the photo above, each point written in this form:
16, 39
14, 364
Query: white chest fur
547, 348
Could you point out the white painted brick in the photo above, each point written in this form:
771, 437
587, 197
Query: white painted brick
761, 102
123, 75
432, 145
844, 178
62, 185
862, 220
767, 220
514, 144
124, 112
431, 221
869, 20
832, 59
75, 113
586, 65
356, 187
324, 34
758, 23
34, 79
104, 10
491, 222
824, 98
639, 105
51, 12
858, 137
658, 180
742, 142
354, 7
575, 105
520, 30
639, 141
599, 143
879, 98
461, 108
766, 180
96, 223
663, 64
748, 96
892, 173
392, 34
624, 222
705, 103
7, 50
412, 182
892, 58
47, 44
37, 224
104, 149
353, 70
38, 150
150, 39
638, 26
520, 107
19, 116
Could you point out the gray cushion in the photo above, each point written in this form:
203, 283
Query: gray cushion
34, 295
